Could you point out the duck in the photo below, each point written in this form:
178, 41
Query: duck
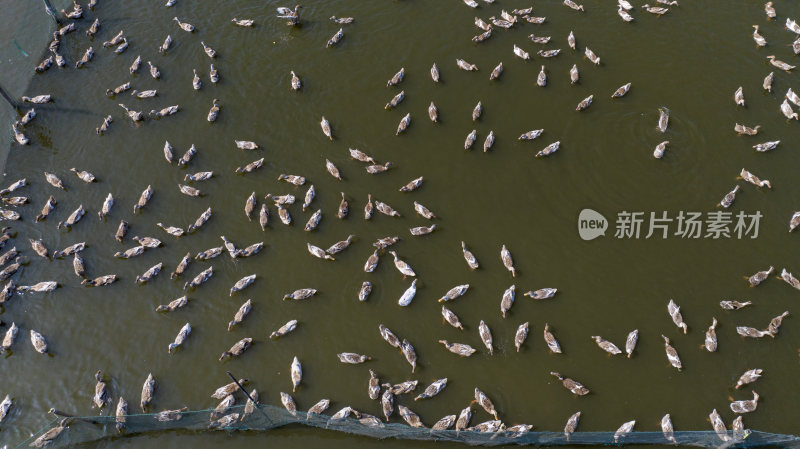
169, 110
585, 103
734, 305
288, 404
73, 218
521, 53
729, 198
767, 146
755, 180
542, 293
408, 295
201, 220
539, 39
624, 14
296, 373
792, 26
38, 341
531, 135
463, 418
38, 99
19, 136
606, 345
100, 281
46, 286
655, 10
486, 336
787, 111
120, 415
630, 342
149, 274
210, 52
242, 283
508, 262
672, 354
780, 64
303, 293
389, 336
78, 266
291, 15
767, 84
106, 208
464, 350
353, 358
237, 349
372, 262
548, 53
403, 267
464, 65
249, 168
343, 209
144, 94
572, 424
738, 96
326, 127
624, 430
340, 246
173, 305
253, 249
165, 46
403, 125
386, 209
54, 181
660, 149
496, 72
742, 129
769, 10
793, 97
342, 20
313, 221
748, 377
759, 39
711, 336
318, 408
154, 72
484, 401
104, 127
591, 56
250, 406
675, 313
748, 406
136, 116
521, 335
130, 252
397, 78
410, 355
185, 26
377, 168
477, 111
433, 113
575, 387
285, 329
455, 292
451, 318
775, 324
182, 266
551, 341
573, 5
39, 248
9, 337
760, 276
202, 277
746, 331
471, 137
335, 38
364, 292
574, 76
135, 65
87, 56
213, 74
550, 149
621, 91
507, 300
119, 89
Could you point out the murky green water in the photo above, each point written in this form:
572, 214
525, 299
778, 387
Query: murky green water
690, 61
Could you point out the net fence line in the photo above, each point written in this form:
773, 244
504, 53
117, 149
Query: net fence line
69, 431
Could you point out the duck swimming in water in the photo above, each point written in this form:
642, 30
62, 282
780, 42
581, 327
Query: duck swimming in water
780, 64
451, 318
621, 91
185, 26
551, 341
486, 336
734, 305
672, 354
775, 324
606, 345
285, 329
675, 313
728, 199
748, 406
464, 65
767, 146
461, 349
711, 336
508, 262
787, 111
237, 349
403, 267
575, 387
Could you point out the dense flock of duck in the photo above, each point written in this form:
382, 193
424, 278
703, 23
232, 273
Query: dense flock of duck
388, 394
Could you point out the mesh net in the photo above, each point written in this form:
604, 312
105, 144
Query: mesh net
64, 432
